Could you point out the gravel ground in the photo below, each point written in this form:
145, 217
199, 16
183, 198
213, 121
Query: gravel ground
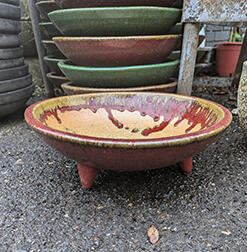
44, 208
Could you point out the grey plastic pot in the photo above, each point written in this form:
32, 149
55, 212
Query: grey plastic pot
18, 83
10, 26
14, 72
13, 2
14, 100
10, 11
9, 41
11, 53
9, 63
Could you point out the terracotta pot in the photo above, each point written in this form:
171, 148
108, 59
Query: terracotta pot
227, 55
128, 131
70, 89
117, 51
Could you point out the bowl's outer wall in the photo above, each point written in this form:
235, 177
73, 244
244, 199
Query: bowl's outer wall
129, 77
118, 52
127, 159
115, 22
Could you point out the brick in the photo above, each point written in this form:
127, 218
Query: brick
210, 36
222, 36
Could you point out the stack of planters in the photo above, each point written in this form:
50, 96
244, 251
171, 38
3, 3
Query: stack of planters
117, 45
16, 85
53, 54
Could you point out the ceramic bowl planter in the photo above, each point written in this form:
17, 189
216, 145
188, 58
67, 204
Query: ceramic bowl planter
45, 7
48, 30
9, 41
227, 55
118, 21
14, 84
10, 11
56, 80
52, 64
70, 89
14, 100
128, 131
117, 51
51, 49
66, 4
119, 77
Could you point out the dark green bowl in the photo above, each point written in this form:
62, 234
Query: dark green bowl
115, 21
131, 76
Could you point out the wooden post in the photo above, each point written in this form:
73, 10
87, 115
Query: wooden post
188, 58
241, 59
40, 49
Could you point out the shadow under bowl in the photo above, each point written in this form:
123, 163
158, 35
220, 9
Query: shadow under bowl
52, 64
51, 49
118, 21
117, 51
44, 7
120, 77
49, 30
128, 131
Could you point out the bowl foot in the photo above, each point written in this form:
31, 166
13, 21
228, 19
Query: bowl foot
186, 165
87, 175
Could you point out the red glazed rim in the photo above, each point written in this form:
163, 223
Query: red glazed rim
125, 143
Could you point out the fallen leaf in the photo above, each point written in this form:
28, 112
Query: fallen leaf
209, 245
76, 227
6, 181
153, 234
50, 163
163, 216
226, 232
130, 204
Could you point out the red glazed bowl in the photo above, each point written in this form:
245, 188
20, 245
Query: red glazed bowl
65, 4
128, 131
117, 51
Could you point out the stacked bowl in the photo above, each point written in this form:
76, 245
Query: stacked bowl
53, 54
16, 85
117, 45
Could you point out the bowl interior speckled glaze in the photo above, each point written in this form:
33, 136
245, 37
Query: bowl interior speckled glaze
128, 116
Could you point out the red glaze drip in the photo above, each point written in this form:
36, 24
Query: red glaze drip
154, 107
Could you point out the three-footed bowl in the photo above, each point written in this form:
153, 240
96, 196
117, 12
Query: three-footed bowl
128, 131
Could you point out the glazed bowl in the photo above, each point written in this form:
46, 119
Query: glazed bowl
51, 49
66, 4
117, 51
115, 21
128, 131
44, 7
56, 80
52, 64
129, 76
49, 30
71, 89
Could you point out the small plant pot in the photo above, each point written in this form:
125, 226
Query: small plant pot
227, 55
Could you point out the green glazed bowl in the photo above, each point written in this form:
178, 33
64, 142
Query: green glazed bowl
130, 76
115, 21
